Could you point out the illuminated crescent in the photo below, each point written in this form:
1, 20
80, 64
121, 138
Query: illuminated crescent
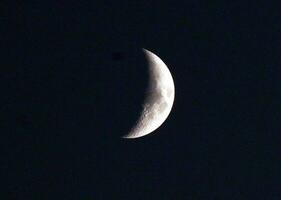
159, 98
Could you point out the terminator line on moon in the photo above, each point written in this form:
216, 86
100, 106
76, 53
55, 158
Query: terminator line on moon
159, 98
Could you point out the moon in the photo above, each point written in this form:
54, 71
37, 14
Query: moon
159, 98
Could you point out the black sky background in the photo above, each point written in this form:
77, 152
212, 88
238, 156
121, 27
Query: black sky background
73, 79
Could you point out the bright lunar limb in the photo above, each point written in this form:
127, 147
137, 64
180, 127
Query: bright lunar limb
159, 98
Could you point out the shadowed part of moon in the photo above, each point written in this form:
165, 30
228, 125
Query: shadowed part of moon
124, 86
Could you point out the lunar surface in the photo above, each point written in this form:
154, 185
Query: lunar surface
159, 99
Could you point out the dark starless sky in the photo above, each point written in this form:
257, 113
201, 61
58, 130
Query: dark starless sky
73, 79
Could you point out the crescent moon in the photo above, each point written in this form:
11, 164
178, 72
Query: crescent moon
159, 98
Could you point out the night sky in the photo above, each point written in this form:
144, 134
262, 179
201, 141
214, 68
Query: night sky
73, 79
